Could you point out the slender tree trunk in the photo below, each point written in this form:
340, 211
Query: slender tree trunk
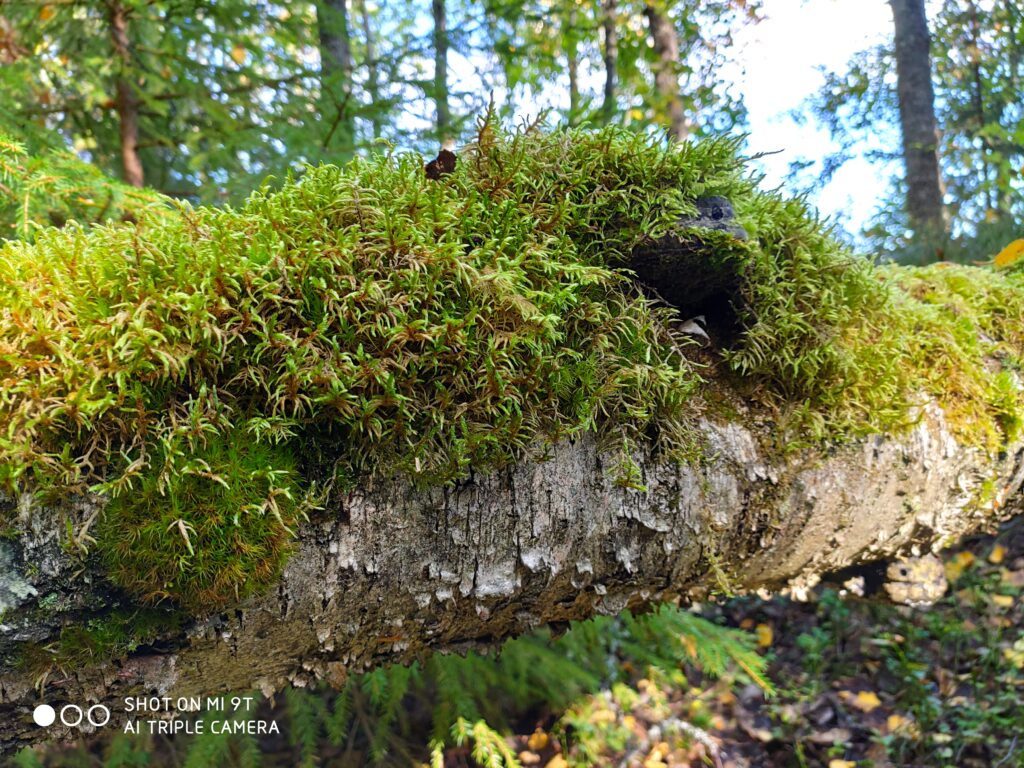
611, 58
569, 34
127, 100
666, 78
372, 78
336, 72
917, 117
441, 70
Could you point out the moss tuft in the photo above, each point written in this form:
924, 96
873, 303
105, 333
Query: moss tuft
207, 529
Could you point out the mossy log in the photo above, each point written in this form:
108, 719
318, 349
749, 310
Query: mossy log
390, 572
545, 443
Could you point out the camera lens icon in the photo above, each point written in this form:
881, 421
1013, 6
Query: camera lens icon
71, 715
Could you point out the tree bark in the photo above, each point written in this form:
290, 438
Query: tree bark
666, 68
569, 35
388, 572
610, 54
917, 118
127, 100
372, 78
443, 115
336, 71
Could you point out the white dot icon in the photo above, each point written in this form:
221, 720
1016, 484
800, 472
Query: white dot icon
44, 715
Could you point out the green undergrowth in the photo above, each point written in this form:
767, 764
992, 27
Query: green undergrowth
215, 370
410, 715
42, 185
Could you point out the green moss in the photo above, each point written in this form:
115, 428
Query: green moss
960, 334
206, 529
367, 319
112, 637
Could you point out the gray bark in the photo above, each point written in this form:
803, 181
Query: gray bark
666, 70
391, 572
126, 102
336, 71
610, 54
442, 111
917, 118
570, 34
372, 78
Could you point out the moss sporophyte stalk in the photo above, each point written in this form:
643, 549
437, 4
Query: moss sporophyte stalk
210, 371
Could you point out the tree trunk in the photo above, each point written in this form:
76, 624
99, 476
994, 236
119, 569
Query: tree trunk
569, 35
441, 70
917, 118
372, 78
127, 100
666, 68
336, 72
611, 58
389, 572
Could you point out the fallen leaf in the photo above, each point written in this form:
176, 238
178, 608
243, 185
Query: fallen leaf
957, 564
1003, 601
557, 762
538, 740
1010, 254
1010, 578
865, 701
841, 764
602, 716
997, 554
896, 722
764, 635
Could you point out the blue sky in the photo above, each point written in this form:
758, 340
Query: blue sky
777, 67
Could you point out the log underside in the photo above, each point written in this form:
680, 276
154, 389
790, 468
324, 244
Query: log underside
391, 572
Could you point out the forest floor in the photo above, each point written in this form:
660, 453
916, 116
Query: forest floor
859, 683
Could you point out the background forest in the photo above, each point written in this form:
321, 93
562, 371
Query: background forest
109, 105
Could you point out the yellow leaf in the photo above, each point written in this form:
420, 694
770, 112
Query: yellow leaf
1015, 655
691, 645
957, 564
557, 762
866, 701
997, 554
841, 764
47, 12
1003, 601
538, 740
1010, 254
896, 722
238, 53
764, 635
602, 716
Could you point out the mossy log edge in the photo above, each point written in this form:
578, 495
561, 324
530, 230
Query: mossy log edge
393, 571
